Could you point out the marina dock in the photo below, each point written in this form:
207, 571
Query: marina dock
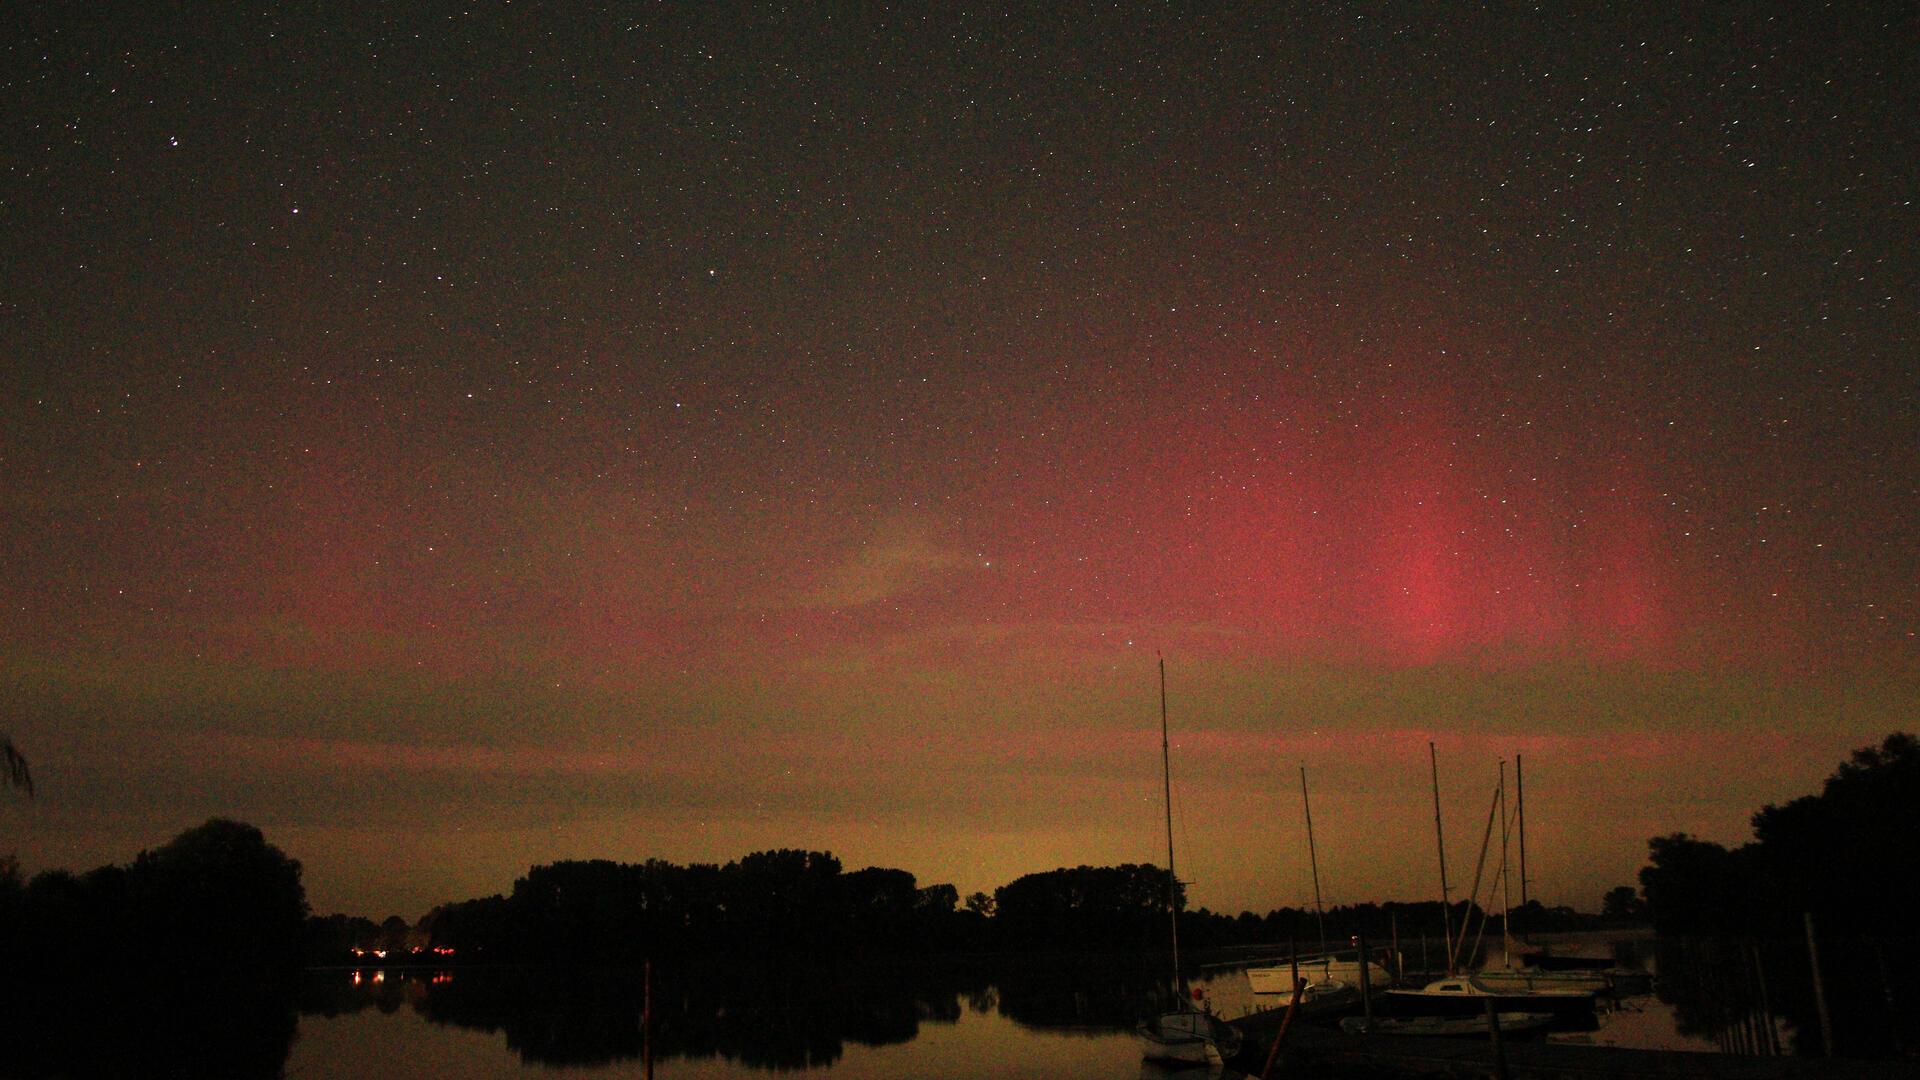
1316, 1050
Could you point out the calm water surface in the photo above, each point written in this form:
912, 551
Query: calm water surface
1060, 1024
404, 1043
504, 1023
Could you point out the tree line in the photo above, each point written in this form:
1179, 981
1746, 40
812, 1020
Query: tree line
219, 898
1845, 855
1810, 923
188, 956
790, 903
216, 899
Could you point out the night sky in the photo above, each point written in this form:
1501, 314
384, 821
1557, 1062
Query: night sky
455, 439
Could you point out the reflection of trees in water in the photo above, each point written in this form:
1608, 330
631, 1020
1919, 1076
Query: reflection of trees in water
1079, 993
1733, 992
1834, 858
772, 1020
1719, 990
111, 1025
769, 1019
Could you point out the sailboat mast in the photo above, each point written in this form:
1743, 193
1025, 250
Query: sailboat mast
1313, 859
1440, 842
1520, 804
1173, 881
1506, 878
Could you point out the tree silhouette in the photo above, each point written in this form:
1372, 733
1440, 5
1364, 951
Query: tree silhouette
1836, 854
1622, 902
219, 897
1083, 905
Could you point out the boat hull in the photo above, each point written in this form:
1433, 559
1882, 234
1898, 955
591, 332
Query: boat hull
1511, 1023
1188, 1038
1531, 982
1162, 1050
1468, 996
1279, 978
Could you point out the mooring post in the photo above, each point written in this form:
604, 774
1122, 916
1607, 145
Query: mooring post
1293, 958
1748, 1034
1819, 990
1399, 965
1366, 981
1766, 1001
646, 1015
1499, 1048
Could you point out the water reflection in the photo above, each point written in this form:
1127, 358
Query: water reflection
1075, 1015
780, 1020
1758, 997
596, 1017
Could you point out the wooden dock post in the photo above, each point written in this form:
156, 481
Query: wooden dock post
1766, 1001
1499, 1048
1393, 930
1819, 990
1366, 981
1293, 958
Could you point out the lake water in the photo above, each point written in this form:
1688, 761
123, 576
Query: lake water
978, 1041
1066, 1023
1058, 1017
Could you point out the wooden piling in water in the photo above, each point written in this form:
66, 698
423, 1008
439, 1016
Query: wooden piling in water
1366, 981
646, 1016
1819, 990
1393, 932
1493, 1036
1293, 958
1766, 1001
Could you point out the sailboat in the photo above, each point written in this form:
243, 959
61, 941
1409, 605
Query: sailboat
1187, 1034
1329, 976
1604, 977
1561, 994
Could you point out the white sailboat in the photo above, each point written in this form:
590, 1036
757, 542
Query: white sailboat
1469, 994
1187, 1034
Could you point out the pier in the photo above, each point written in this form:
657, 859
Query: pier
1316, 1050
